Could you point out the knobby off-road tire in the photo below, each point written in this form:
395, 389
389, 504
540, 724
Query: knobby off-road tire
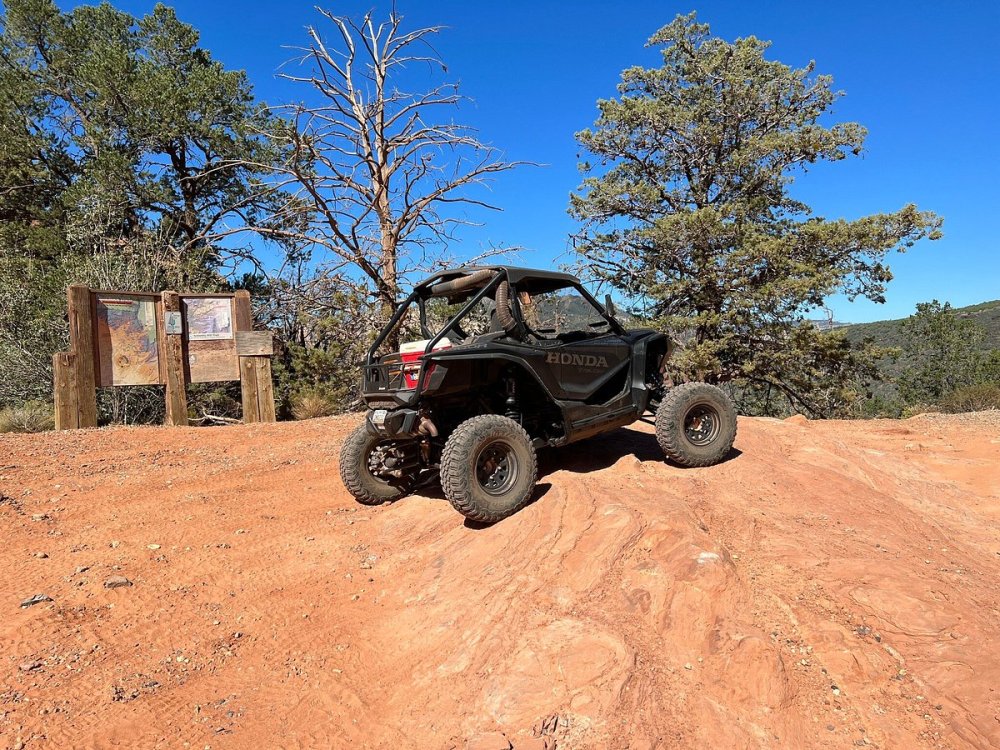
488, 468
357, 477
696, 424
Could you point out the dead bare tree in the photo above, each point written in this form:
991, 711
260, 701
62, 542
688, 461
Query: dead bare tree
371, 168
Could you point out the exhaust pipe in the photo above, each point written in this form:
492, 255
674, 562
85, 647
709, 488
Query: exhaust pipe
427, 427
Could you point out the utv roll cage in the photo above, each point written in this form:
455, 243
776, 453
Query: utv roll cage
470, 284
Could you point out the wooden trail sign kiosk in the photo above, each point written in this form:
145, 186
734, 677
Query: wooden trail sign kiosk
170, 339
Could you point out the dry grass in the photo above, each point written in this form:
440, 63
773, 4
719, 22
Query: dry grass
31, 416
313, 403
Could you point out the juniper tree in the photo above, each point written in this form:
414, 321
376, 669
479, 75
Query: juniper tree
686, 208
127, 157
944, 352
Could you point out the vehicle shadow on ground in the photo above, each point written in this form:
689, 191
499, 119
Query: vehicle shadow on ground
540, 489
593, 454
604, 451
434, 492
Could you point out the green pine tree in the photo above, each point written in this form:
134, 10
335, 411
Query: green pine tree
687, 209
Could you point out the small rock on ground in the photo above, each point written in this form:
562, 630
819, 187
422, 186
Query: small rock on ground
117, 582
36, 599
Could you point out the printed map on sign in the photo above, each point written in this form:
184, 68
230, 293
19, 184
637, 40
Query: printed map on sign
208, 318
126, 340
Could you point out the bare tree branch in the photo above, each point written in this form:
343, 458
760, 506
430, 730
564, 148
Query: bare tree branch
371, 167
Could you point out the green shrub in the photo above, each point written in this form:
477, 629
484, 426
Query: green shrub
330, 369
313, 402
31, 416
878, 406
979, 397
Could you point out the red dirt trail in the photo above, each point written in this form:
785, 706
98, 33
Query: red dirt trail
834, 585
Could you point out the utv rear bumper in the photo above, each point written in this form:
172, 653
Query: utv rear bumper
400, 423
393, 423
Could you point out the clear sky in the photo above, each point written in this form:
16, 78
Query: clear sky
922, 76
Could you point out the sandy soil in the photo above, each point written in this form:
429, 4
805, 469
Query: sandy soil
834, 585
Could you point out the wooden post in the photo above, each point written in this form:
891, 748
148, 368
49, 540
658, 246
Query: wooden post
173, 354
66, 391
84, 346
265, 389
248, 372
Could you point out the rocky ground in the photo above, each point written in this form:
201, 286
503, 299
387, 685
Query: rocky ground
833, 585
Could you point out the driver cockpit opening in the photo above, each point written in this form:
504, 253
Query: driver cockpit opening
476, 304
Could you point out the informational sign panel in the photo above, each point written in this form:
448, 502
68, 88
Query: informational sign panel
210, 345
172, 322
208, 318
160, 338
127, 352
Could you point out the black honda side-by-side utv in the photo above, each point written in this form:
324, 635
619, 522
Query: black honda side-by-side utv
496, 362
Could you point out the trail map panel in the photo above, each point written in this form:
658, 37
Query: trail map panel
209, 318
126, 340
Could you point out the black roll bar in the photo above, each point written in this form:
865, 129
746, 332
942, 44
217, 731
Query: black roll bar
393, 322
414, 296
493, 284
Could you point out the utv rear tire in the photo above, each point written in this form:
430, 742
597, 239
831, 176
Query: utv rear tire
357, 477
696, 424
488, 468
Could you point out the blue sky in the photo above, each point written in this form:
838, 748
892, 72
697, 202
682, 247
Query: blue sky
923, 77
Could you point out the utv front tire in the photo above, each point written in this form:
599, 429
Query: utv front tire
696, 424
356, 475
488, 468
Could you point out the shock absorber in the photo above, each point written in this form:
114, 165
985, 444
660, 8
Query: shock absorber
512, 409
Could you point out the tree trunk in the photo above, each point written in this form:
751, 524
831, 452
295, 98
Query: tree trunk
390, 289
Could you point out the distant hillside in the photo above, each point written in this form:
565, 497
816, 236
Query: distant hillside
890, 332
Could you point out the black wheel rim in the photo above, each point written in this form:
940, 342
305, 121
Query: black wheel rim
702, 424
496, 467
